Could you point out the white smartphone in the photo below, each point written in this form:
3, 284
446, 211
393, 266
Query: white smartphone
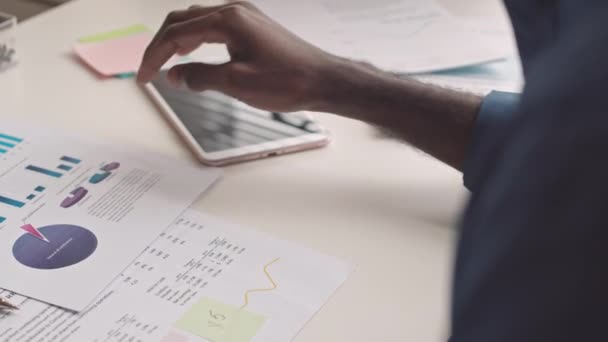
221, 130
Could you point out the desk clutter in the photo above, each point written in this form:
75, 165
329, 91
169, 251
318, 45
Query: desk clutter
100, 243
422, 36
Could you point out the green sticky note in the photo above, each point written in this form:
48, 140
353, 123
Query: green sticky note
122, 32
220, 322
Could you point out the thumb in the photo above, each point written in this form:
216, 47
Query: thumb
200, 76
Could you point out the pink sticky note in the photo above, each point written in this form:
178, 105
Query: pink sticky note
116, 56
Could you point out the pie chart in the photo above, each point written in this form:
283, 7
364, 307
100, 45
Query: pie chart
58, 246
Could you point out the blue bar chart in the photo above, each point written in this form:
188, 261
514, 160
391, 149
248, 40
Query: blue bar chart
70, 160
8, 142
37, 190
64, 167
10, 138
44, 171
11, 202
56, 172
17, 203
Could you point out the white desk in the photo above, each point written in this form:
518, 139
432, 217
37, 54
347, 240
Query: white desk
371, 201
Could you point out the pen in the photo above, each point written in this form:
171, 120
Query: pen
6, 305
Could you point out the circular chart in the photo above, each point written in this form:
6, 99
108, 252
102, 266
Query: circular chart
65, 245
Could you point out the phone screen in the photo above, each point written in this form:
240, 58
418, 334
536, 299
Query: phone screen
218, 122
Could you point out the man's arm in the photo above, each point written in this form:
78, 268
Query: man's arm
436, 120
273, 69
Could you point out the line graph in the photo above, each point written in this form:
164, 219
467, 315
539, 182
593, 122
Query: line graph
218, 321
267, 273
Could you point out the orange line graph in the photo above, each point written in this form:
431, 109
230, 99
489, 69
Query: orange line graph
274, 284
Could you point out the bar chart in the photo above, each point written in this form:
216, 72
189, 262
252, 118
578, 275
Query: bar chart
64, 167
58, 171
8, 142
38, 190
19, 203
11, 202
44, 171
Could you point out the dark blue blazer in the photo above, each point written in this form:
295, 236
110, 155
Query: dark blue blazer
532, 262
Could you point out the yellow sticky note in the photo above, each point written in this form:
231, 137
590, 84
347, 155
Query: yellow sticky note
220, 322
119, 33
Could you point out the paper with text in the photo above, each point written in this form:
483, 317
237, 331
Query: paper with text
74, 214
201, 280
405, 36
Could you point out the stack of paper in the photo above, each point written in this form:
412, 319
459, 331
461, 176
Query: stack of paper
201, 280
74, 214
481, 79
95, 246
505, 75
405, 36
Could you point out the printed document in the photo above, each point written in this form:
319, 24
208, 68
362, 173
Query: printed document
74, 214
404, 36
202, 280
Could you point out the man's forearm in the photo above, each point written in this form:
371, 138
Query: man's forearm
436, 120
272, 69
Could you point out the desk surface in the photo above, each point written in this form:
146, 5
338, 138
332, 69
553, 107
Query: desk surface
376, 203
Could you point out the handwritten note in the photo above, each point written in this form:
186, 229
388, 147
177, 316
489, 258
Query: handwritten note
220, 322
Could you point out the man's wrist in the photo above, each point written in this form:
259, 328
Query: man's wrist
339, 83
358, 90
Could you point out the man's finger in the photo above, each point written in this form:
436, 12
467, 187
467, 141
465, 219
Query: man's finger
185, 15
200, 77
181, 37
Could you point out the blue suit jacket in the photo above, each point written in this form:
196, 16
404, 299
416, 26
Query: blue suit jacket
532, 261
